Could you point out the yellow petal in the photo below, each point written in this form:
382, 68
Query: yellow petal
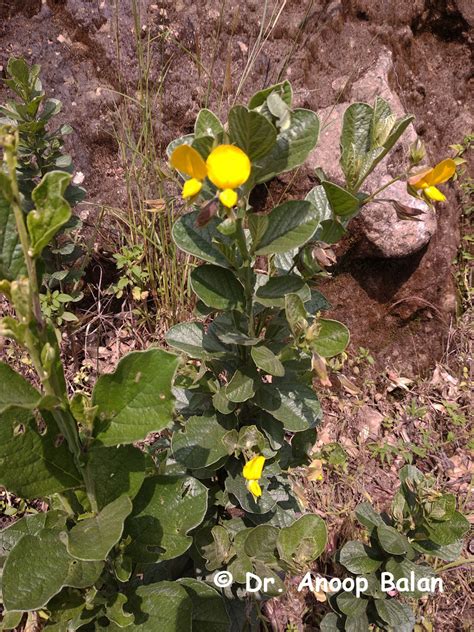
254, 488
228, 197
443, 171
187, 160
435, 194
228, 167
418, 181
191, 188
253, 468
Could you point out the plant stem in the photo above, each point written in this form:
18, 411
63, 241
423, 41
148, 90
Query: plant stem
382, 188
23, 234
461, 562
37, 335
248, 279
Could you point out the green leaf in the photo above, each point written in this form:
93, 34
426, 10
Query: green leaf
448, 531
395, 613
163, 607
136, 398
267, 361
35, 571
15, 390
359, 558
12, 262
448, 553
405, 569
51, 210
367, 516
207, 124
332, 338
296, 314
355, 137
341, 201
261, 543
251, 131
209, 613
304, 541
317, 302
32, 464
187, 337
29, 525
221, 403
83, 574
235, 484
294, 404
115, 612
241, 387
93, 538
391, 540
199, 241
115, 471
367, 136
218, 287
273, 293
358, 623
284, 90
11, 620
287, 226
292, 147
351, 605
200, 444
332, 623
166, 508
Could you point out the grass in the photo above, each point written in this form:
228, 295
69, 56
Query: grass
150, 212
152, 208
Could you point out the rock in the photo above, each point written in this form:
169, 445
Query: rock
466, 9
391, 12
383, 232
370, 421
388, 236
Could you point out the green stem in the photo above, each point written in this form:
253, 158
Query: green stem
37, 333
24, 239
461, 562
382, 188
248, 275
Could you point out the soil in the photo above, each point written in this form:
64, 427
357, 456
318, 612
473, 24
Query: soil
400, 309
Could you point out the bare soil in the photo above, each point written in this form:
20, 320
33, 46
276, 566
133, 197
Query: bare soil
402, 310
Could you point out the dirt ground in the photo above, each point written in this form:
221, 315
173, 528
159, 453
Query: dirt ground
402, 310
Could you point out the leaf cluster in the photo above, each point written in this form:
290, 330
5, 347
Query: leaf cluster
423, 523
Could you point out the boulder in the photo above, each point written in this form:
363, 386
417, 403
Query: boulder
383, 232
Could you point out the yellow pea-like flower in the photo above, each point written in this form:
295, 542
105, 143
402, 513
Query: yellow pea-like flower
252, 472
228, 197
191, 188
227, 167
254, 488
427, 180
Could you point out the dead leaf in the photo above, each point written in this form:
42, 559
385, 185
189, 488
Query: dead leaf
314, 471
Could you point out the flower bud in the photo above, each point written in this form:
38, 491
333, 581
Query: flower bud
417, 152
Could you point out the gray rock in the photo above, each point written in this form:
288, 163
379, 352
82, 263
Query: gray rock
386, 235
383, 233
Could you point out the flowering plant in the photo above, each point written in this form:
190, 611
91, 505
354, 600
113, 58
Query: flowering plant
133, 537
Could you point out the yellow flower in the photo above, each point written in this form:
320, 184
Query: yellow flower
227, 167
252, 472
426, 180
